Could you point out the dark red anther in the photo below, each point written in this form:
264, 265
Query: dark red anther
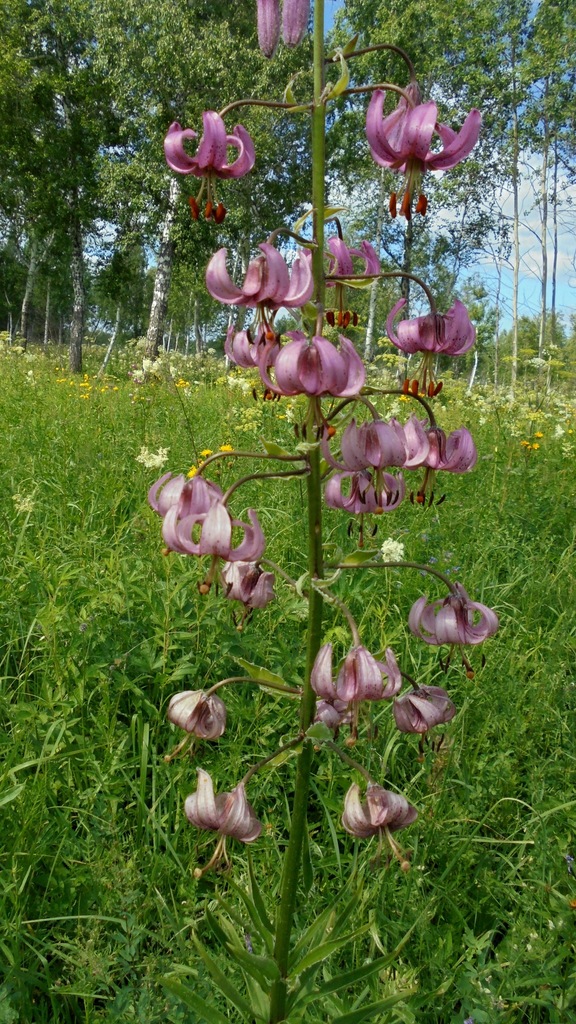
269, 395
406, 208
438, 387
406, 386
414, 387
392, 205
346, 319
193, 207
421, 498
254, 394
355, 319
220, 213
330, 317
440, 500
431, 390
339, 318
422, 205
208, 210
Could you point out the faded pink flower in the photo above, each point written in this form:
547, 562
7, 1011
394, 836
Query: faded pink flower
230, 814
194, 712
419, 710
452, 620
381, 809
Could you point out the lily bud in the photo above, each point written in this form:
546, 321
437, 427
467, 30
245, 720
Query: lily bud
268, 14
295, 15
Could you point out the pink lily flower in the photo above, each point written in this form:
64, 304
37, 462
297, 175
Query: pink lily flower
377, 444
189, 496
333, 713
268, 282
295, 15
245, 351
453, 454
402, 139
365, 496
380, 810
340, 260
246, 582
361, 676
194, 712
215, 534
450, 333
211, 155
268, 15
230, 814
421, 709
315, 368
452, 620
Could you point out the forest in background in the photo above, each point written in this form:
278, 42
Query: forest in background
95, 231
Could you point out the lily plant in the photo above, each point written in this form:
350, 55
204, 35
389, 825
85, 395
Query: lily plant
352, 459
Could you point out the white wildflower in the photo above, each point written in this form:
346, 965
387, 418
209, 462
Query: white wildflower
23, 502
153, 460
392, 550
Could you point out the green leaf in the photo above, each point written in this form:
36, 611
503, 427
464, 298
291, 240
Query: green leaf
259, 905
319, 731
222, 982
262, 968
342, 82
11, 794
262, 675
359, 556
272, 448
325, 950
365, 1012
190, 998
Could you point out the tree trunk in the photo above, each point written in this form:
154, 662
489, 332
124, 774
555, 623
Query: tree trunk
369, 339
197, 333
30, 282
554, 243
516, 229
79, 306
47, 315
113, 341
544, 229
155, 333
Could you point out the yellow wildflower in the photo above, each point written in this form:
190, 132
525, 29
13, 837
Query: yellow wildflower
538, 434
206, 452
226, 448
191, 472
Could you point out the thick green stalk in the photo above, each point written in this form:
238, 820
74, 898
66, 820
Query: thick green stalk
298, 825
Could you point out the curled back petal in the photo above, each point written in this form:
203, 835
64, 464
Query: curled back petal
244, 162
459, 147
219, 283
211, 154
176, 156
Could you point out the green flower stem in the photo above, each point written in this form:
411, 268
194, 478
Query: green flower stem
293, 855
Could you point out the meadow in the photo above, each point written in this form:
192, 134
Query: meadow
98, 629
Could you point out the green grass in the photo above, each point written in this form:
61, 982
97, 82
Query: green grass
98, 629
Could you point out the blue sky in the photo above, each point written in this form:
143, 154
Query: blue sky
529, 297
